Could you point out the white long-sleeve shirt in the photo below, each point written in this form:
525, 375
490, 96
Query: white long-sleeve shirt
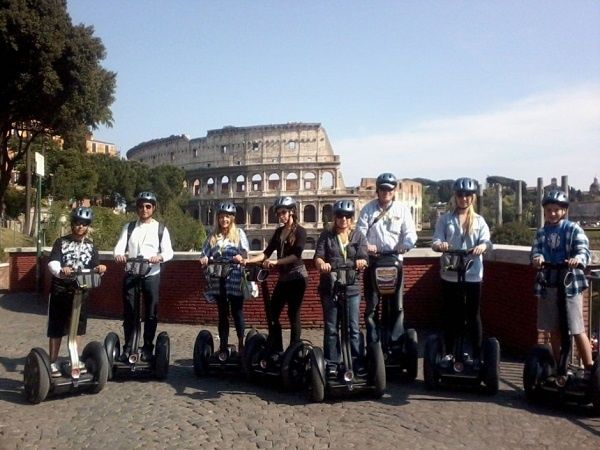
395, 231
144, 242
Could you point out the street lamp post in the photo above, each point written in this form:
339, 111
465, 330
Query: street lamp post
39, 171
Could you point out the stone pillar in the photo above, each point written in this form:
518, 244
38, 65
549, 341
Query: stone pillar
479, 198
519, 201
498, 204
539, 208
564, 185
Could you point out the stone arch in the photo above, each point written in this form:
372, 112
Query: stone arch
196, 188
310, 243
274, 182
240, 215
327, 214
240, 183
256, 244
310, 214
291, 182
272, 216
327, 180
210, 185
256, 216
224, 184
309, 180
257, 183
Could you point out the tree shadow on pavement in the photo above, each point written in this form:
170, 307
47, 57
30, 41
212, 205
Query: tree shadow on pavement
11, 390
24, 302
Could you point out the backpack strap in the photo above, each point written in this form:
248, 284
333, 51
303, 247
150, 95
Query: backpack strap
161, 231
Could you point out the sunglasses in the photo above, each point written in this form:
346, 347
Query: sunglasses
145, 206
80, 224
343, 216
464, 194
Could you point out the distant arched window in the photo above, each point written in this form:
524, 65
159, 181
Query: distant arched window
274, 182
240, 215
291, 182
196, 188
256, 244
240, 183
256, 216
256, 183
225, 184
310, 180
327, 214
310, 244
327, 180
310, 214
210, 186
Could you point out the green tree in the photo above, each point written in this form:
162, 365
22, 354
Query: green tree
51, 82
186, 232
513, 233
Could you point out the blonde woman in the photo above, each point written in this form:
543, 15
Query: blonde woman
340, 245
229, 242
462, 228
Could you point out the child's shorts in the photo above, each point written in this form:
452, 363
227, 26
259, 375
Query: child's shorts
548, 317
59, 315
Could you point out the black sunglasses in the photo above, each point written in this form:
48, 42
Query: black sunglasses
145, 206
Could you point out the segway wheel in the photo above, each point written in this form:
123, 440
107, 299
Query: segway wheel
431, 358
162, 355
376, 368
596, 388
254, 348
295, 366
96, 362
317, 382
538, 366
203, 348
491, 365
411, 352
36, 376
113, 351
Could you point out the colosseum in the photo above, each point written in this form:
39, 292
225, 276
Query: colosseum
254, 165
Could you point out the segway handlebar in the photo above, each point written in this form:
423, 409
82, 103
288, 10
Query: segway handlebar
345, 273
256, 272
139, 266
86, 278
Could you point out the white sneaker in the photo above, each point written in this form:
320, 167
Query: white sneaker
55, 370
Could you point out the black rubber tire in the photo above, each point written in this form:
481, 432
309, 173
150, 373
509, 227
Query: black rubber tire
295, 366
540, 360
317, 384
595, 388
113, 351
431, 356
377, 374
491, 365
162, 355
411, 352
254, 347
251, 332
36, 376
96, 362
203, 349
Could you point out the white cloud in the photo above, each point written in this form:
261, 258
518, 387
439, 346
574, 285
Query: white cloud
545, 135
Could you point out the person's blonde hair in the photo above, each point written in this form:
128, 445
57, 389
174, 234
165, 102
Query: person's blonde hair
232, 232
470, 211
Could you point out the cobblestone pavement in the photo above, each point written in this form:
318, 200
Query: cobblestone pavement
227, 412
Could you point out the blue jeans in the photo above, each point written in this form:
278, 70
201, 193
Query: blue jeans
332, 314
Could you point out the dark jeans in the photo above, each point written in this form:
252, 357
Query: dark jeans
332, 314
237, 312
395, 317
150, 287
462, 317
292, 293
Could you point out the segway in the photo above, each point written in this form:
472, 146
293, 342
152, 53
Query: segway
461, 367
158, 365
262, 363
345, 377
545, 378
400, 352
206, 359
89, 373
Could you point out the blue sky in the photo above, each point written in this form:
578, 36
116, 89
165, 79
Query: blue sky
433, 89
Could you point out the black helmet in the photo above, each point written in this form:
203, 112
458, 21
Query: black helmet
387, 181
146, 197
468, 185
82, 214
227, 208
343, 208
557, 197
284, 202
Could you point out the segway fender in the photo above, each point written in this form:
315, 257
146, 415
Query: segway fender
318, 360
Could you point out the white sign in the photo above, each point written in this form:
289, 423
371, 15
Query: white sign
39, 164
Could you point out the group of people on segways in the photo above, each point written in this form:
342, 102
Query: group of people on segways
560, 252
344, 253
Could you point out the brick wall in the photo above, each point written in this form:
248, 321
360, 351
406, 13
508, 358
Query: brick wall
508, 306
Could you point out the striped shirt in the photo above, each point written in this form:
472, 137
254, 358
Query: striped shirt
394, 232
575, 245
